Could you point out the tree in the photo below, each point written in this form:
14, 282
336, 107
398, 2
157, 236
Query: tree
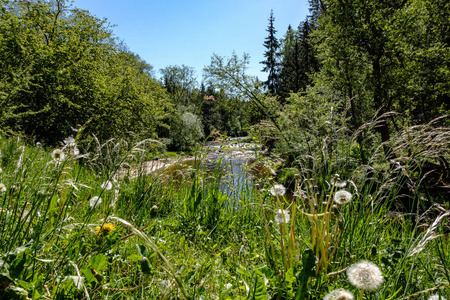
299, 60
179, 82
271, 64
60, 66
385, 56
229, 75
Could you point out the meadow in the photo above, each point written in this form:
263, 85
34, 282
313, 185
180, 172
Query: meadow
93, 224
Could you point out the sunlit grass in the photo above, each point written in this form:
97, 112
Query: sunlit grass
175, 233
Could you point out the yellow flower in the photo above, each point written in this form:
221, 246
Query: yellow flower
104, 230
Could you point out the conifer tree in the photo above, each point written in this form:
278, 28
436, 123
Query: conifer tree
271, 64
299, 61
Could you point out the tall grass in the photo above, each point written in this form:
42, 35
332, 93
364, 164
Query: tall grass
176, 232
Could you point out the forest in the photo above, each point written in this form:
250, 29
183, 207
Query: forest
350, 175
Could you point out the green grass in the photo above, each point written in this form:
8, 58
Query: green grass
176, 235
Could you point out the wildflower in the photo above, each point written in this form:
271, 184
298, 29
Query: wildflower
277, 190
95, 201
340, 294
342, 197
279, 216
107, 185
365, 275
104, 230
2, 187
1, 170
436, 297
58, 155
228, 286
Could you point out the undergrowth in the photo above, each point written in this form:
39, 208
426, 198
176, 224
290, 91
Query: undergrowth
97, 225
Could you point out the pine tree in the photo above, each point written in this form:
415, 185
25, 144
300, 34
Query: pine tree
289, 80
299, 60
308, 62
271, 64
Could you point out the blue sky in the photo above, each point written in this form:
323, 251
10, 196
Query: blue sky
177, 32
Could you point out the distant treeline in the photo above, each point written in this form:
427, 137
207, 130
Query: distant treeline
61, 67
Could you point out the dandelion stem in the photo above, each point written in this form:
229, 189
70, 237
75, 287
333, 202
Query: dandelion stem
361, 294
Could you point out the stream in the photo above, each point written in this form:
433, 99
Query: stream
232, 157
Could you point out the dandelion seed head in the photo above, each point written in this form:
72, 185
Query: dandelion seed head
107, 185
95, 201
277, 190
365, 275
279, 216
342, 197
340, 294
75, 151
58, 155
436, 297
70, 142
337, 182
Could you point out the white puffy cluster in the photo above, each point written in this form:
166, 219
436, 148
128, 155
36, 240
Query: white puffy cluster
436, 297
365, 275
279, 216
277, 190
95, 201
340, 294
107, 185
342, 197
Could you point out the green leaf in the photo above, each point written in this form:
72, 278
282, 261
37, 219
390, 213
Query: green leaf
142, 249
99, 262
309, 263
259, 290
290, 278
135, 257
4, 272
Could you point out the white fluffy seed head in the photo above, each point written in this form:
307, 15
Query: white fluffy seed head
340, 294
365, 275
436, 297
337, 182
107, 185
58, 155
279, 216
95, 201
277, 190
342, 197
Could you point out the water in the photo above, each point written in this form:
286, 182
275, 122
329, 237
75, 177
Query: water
231, 159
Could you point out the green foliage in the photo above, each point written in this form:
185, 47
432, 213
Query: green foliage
190, 239
60, 67
299, 61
